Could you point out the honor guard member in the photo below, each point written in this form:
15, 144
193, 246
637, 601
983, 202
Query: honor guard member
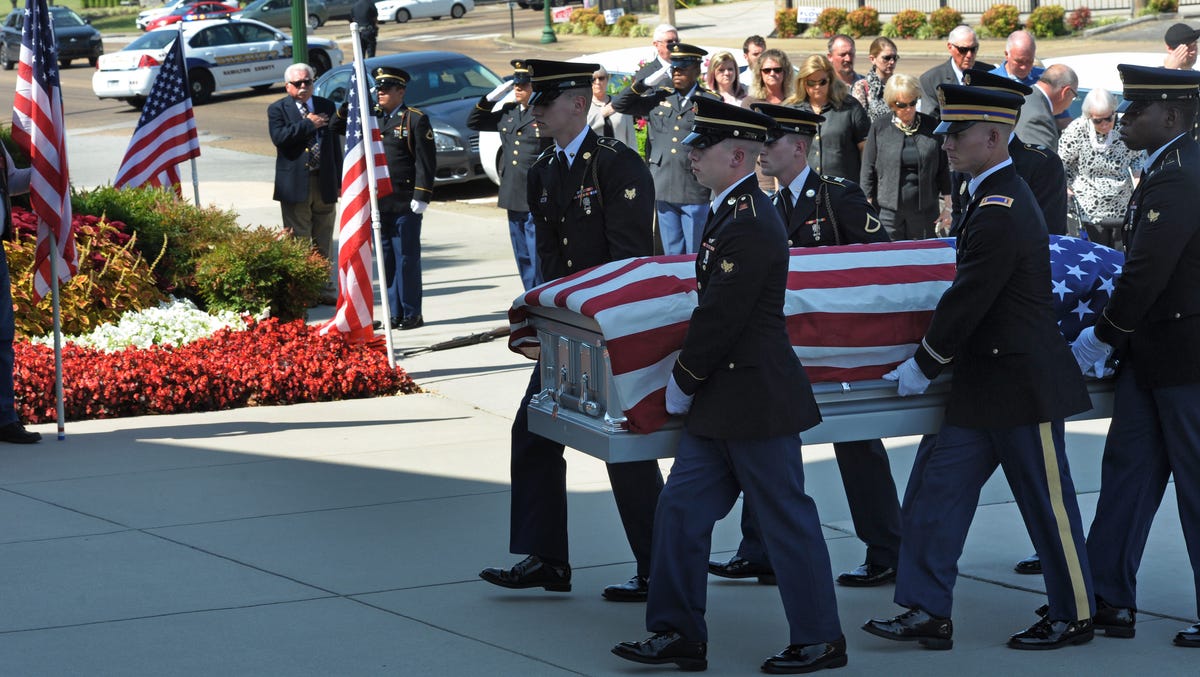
1041, 167
412, 164
591, 199
746, 399
1152, 322
682, 203
1009, 393
520, 145
821, 210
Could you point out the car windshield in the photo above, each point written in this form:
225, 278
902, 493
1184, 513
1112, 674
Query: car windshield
153, 40
65, 17
447, 81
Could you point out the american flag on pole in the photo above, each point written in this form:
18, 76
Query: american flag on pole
356, 303
166, 132
853, 312
39, 130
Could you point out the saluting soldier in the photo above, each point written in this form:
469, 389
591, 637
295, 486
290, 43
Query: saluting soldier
521, 142
1012, 386
1152, 321
592, 199
682, 203
746, 398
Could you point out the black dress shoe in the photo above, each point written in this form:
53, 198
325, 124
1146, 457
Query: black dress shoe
1031, 565
666, 647
1048, 634
633, 590
377, 325
412, 322
1114, 621
800, 658
1189, 637
738, 567
395, 322
914, 625
867, 575
531, 572
15, 433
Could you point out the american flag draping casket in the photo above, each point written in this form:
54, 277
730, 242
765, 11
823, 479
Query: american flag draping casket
607, 339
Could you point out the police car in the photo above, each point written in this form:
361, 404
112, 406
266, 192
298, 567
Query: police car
221, 54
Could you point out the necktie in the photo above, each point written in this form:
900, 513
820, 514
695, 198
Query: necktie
785, 204
312, 159
563, 166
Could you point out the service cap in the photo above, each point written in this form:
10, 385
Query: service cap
385, 76
963, 106
789, 120
974, 77
1148, 83
716, 121
521, 74
685, 55
551, 78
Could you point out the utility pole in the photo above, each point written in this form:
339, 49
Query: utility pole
666, 12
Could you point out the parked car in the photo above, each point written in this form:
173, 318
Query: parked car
145, 16
76, 38
278, 13
539, 5
221, 54
401, 11
445, 86
194, 11
339, 9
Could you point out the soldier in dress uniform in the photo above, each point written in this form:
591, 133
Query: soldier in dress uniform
1152, 321
520, 144
592, 200
746, 398
1041, 168
682, 203
823, 210
1012, 386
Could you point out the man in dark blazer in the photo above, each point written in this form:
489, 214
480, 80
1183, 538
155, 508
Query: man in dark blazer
1051, 95
592, 200
308, 160
816, 211
963, 46
746, 399
13, 181
1009, 393
1152, 322
520, 144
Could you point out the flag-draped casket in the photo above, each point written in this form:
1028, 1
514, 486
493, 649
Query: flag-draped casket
606, 339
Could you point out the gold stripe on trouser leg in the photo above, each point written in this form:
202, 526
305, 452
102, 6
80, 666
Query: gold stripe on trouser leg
1054, 484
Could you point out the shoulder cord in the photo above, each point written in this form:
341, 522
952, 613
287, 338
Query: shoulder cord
823, 196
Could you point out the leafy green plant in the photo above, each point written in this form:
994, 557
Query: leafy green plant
1161, 7
1000, 20
863, 21
1046, 21
830, 20
889, 30
786, 25
907, 21
624, 25
943, 20
261, 268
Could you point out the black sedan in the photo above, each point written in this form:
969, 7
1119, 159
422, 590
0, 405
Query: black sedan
76, 38
445, 86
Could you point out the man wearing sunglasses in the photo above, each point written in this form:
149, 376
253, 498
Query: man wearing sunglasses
963, 46
308, 163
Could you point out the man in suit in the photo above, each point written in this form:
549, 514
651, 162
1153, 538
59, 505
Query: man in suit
412, 164
963, 46
746, 399
308, 162
682, 203
821, 210
13, 181
1152, 323
1051, 95
591, 199
1009, 394
366, 15
520, 144
665, 35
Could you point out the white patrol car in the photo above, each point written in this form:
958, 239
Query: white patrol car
221, 54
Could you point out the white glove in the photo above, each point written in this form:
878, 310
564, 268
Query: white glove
1090, 353
658, 78
419, 207
677, 401
911, 381
499, 92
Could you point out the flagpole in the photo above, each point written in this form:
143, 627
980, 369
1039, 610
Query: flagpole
59, 407
188, 84
364, 108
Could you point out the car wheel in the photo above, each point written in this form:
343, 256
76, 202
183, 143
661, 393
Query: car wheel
136, 101
202, 85
437, 18
314, 22
458, 11
319, 60
64, 63
402, 16
94, 61
262, 88
6, 62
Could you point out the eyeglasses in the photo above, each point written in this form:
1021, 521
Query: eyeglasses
819, 83
1100, 121
301, 83
968, 49
890, 57
390, 85
904, 104
772, 70
600, 78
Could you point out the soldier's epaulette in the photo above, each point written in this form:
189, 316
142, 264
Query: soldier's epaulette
418, 111
743, 206
1037, 148
609, 143
545, 155
999, 200
834, 180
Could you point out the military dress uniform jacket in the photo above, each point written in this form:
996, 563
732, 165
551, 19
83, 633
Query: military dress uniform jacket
411, 158
520, 145
292, 133
1154, 311
829, 211
1042, 170
669, 117
737, 359
995, 325
599, 210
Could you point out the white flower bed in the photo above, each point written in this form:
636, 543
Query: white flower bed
175, 323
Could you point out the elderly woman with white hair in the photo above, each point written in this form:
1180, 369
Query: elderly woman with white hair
1100, 168
603, 119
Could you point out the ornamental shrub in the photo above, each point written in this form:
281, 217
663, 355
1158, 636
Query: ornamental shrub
1161, 7
786, 25
260, 268
943, 20
889, 31
830, 20
907, 21
863, 21
624, 25
1079, 18
1000, 20
1046, 21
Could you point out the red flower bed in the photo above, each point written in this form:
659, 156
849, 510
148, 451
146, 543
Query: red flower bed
267, 363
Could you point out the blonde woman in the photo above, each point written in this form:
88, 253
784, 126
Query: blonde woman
837, 148
722, 78
772, 80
